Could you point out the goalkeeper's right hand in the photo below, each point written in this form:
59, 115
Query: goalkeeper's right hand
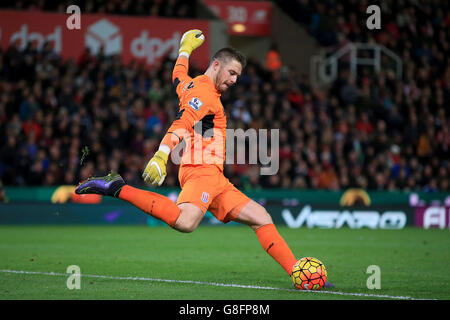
191, 40
155, 171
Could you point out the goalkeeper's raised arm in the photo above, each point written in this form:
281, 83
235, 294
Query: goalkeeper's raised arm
155, 171
190, 41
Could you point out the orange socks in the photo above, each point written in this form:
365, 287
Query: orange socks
276, 247
164, 209
156, 205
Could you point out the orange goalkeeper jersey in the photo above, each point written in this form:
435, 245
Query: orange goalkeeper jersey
201, 119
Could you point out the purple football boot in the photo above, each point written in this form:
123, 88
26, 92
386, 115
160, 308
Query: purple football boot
109, 185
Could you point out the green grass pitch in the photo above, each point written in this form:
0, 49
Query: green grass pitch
414, 263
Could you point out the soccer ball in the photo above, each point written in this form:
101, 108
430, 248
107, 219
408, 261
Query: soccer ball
309, 274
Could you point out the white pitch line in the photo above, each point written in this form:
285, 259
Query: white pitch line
210, 284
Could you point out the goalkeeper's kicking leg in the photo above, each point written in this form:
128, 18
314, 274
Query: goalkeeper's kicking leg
184, 217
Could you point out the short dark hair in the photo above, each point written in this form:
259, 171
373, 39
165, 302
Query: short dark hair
229, 53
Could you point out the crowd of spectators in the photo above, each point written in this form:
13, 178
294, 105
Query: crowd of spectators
374, 132
396, 131
157, 8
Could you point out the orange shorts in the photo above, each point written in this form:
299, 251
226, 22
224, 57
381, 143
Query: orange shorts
207, 188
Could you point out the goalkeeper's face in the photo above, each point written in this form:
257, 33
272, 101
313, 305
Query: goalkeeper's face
227, 74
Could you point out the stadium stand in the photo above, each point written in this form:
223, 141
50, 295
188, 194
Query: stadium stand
157, 8
373, 132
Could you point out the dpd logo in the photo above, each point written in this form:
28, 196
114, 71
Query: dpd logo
106, 34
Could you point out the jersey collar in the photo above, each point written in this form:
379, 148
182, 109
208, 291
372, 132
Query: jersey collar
207, 80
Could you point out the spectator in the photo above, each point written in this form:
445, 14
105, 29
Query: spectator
273, 59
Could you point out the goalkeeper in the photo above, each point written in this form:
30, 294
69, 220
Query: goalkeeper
204, 187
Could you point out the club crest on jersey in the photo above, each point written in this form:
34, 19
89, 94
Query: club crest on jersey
205, 197
195, 103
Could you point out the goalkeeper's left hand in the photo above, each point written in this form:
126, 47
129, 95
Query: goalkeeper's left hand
155, 171
190, 41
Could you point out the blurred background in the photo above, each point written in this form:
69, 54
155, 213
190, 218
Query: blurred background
363, 113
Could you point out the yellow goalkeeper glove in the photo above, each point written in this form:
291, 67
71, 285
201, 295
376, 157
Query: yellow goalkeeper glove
155, 171
191, 40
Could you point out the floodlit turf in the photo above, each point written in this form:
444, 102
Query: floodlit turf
414, 263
